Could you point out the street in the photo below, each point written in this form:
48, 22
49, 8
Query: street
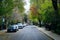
27, 33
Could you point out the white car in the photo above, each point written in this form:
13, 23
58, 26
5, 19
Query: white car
20, 25
25, 24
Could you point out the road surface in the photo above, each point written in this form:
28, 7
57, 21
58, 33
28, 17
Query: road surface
27, 33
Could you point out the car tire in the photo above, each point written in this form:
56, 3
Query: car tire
15, 31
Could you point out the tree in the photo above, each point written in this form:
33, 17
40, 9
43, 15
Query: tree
7, 6
57, 14
19, 4
50, 14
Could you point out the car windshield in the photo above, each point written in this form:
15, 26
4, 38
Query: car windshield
19, 23
10, 26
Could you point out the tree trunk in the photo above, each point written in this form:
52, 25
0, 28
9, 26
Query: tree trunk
54, 2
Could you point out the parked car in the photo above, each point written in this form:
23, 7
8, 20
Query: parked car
20, 25
13, 28
25, 24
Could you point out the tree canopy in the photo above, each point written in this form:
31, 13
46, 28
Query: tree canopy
48, 11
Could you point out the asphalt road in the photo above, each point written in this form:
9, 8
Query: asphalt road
27, 33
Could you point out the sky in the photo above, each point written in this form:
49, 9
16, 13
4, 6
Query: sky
27, 6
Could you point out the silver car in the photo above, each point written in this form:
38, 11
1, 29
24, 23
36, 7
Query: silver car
20, 25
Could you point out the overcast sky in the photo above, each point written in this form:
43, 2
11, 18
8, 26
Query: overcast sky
27, 6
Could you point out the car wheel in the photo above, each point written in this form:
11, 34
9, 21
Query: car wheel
8, 30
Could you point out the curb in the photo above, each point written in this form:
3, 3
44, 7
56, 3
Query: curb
2, 32
46, 34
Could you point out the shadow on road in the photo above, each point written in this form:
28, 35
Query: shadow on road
10, 32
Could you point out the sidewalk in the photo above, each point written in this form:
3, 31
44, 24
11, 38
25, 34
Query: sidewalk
2, 31
3, 35
49, 33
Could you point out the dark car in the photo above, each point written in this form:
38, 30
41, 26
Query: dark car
12, 28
